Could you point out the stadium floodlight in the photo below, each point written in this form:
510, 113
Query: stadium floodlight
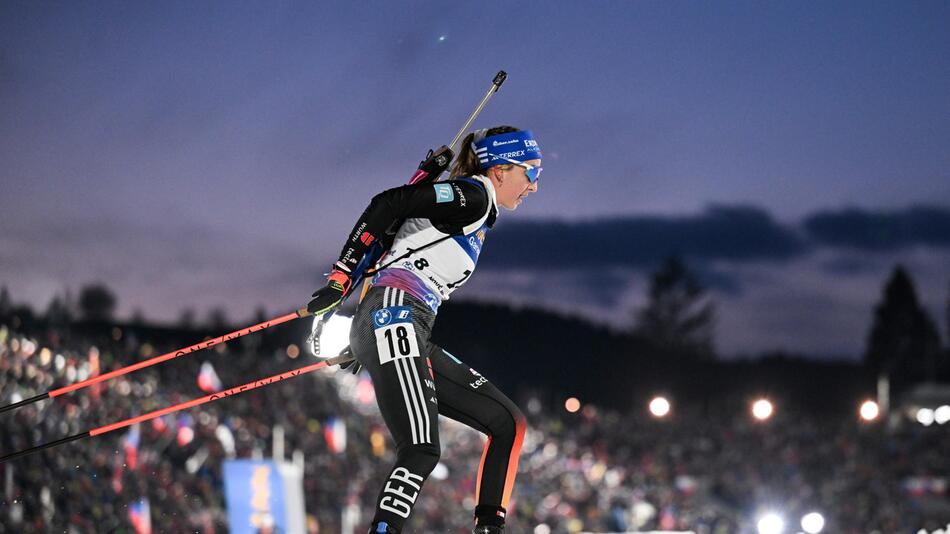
925, 416
771, 523
762, 409
813, 523
942, 414
572, 404
659, 407
869, 410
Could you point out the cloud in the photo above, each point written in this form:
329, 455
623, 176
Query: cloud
808, 286
775, 285
799, 305
861, 229
158, 268
736, 233
720, 234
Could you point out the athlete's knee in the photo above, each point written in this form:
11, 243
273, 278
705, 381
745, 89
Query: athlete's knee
521, 424
421, 458
508, 426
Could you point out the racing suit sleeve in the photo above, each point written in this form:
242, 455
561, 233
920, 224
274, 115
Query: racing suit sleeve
452, 203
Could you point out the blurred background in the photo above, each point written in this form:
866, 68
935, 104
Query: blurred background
726, 310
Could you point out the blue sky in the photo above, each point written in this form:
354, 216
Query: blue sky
204, 154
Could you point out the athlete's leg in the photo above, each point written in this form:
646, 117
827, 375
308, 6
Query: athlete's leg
468, 397
405, 393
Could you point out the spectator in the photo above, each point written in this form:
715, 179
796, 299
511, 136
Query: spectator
589, 471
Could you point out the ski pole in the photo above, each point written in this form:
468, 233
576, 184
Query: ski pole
181, 406
159, 359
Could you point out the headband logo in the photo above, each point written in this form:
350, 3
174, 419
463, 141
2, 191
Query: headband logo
506, 146
508, 142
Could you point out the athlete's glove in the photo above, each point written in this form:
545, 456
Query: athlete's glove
353, 365
328, 297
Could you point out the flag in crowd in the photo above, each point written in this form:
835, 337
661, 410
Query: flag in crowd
335, 433
131, 445
185, 431
140, 516
208, 379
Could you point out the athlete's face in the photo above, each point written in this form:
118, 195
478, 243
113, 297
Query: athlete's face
512, 185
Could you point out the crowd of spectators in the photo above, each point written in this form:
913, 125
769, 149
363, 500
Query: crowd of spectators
595, 470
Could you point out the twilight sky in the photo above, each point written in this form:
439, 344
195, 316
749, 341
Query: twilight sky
198, 154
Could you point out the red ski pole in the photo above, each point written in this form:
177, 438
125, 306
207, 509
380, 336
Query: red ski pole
159, 359
182, 406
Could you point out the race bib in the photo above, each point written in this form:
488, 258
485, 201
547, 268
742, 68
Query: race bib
395, 334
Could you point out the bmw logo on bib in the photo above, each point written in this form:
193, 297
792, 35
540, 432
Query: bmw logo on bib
382, 317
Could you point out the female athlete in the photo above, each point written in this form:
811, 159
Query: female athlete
434, 252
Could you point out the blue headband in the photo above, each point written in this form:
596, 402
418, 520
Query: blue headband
519, 146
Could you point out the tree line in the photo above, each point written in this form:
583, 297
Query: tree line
677, 322
96, 302
903, 343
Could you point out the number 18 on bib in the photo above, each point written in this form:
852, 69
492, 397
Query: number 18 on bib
395, 334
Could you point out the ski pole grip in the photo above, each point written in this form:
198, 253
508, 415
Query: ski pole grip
499, 79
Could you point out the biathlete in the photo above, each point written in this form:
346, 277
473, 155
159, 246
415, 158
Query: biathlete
434, 252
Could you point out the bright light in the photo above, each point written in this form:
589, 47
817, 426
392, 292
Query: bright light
293, 351
813, 522
185, 435
771, 523
572, 404
942, 414
441, 472
869, 410
332, 338
659, 406
762, 409
543, 528
925, 416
